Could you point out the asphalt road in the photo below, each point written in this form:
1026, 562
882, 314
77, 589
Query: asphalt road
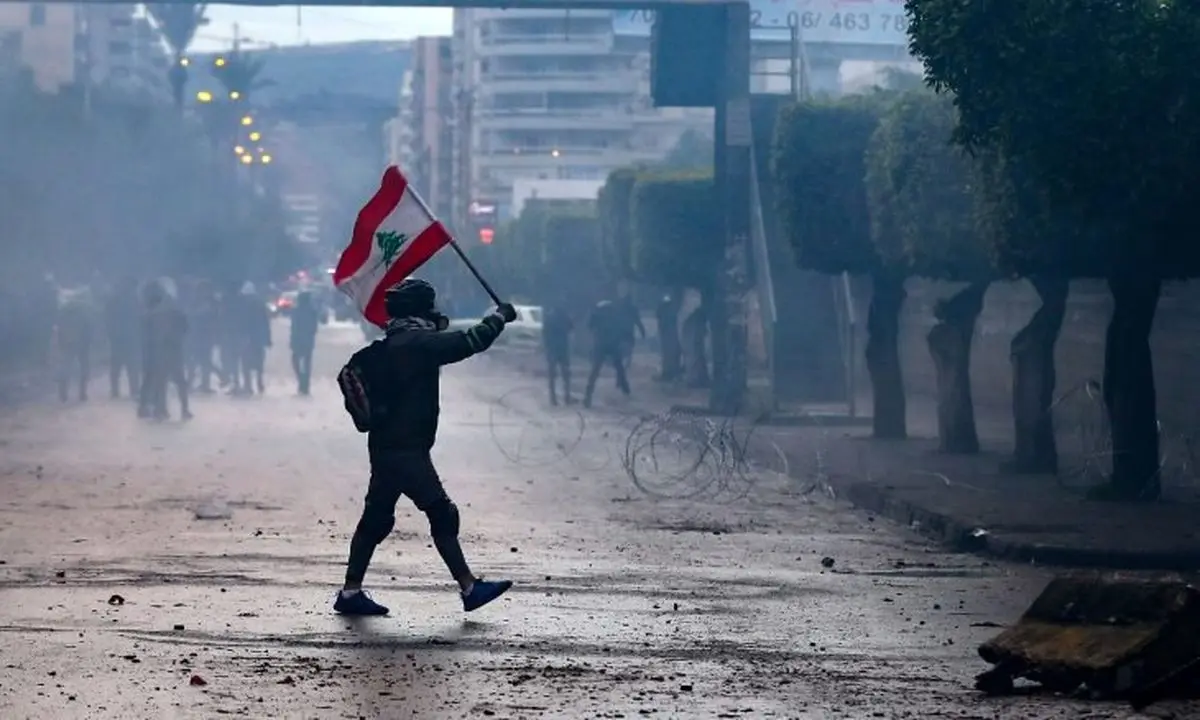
118, 601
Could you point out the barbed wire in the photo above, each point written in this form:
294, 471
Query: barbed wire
683, 456
1085, 441
554, 448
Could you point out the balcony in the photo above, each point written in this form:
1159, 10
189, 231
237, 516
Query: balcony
543, 45
538, 13
546, 119
580, 82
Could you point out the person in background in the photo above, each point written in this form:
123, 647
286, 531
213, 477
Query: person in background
228, 324
73, 341
121, 324
609, 327
202, 338
254, 339
629, 320
556, 341
306, 317
164, 329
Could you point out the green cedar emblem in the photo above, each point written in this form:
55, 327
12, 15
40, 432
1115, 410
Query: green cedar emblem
390, 243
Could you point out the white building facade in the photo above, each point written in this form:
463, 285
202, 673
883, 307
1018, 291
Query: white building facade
548, 95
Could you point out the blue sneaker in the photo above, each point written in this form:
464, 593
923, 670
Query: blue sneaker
359, 603
483, 592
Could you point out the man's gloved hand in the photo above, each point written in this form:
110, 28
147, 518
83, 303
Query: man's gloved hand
507, 312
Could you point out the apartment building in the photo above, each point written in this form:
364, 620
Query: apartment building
398, 131
431, 114
63, 44
40, 38
548, 95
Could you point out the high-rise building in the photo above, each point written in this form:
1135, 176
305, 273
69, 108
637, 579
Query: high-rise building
398, 131
431, 114
41, 37
101, 45
547, 98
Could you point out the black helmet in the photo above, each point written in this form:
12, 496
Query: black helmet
411, 297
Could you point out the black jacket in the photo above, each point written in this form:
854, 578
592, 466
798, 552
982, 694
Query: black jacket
412, 393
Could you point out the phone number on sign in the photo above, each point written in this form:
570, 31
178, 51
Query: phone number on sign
839, 21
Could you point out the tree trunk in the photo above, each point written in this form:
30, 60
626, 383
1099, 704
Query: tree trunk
1032, 357
1129, 390
695, 332
177, 77
950, 345
883, 357
716, 313
668, 336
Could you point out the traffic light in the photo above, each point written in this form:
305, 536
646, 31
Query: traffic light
486, 235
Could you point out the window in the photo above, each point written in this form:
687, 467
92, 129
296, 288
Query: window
37, 14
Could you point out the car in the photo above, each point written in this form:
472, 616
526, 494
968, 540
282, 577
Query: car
527, 328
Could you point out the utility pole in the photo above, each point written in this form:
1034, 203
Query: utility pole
733, 164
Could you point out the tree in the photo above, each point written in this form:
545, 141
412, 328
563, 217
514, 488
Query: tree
925, 209
1098, 102
613, 213
571, 258
240, 74
818, 161
677, 243
178, 24
693, 151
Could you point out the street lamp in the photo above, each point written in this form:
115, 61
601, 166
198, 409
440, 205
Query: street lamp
204, 96
265, 159
184, 61
247, 120
239, 150
247, 159
219, 61
255, 136
235, 95
554, 153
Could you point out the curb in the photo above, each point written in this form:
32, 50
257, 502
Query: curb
958, 536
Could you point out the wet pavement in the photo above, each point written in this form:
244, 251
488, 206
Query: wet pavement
118, 601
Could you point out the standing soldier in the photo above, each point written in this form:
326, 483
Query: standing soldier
305, 319
609, 330
164, 329
255, 338
73, 340
556, 340
121, 324
202, 335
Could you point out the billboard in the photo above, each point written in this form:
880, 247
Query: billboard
846, 22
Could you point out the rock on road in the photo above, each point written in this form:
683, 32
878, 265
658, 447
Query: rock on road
117, 601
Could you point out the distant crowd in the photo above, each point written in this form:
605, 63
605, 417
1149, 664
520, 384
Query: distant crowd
190, 335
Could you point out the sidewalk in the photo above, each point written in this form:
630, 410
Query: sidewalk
964, 503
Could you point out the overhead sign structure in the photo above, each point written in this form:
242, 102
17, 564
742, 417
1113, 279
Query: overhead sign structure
836, 22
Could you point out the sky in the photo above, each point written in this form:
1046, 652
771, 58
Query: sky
262, 26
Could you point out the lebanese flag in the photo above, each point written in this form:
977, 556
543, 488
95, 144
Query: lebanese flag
393, 236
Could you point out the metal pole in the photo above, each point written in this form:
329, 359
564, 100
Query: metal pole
487, 288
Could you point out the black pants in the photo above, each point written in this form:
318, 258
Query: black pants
73, 359
559, 364
153, 398
302, 366
405, 473
126, 359
253, 358
606, 354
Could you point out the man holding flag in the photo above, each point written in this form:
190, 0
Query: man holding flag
391, 387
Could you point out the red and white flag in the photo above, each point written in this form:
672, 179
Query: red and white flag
394, 235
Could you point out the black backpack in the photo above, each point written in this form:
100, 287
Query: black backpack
363, 381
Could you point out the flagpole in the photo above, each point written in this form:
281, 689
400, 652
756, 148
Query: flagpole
487, 288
